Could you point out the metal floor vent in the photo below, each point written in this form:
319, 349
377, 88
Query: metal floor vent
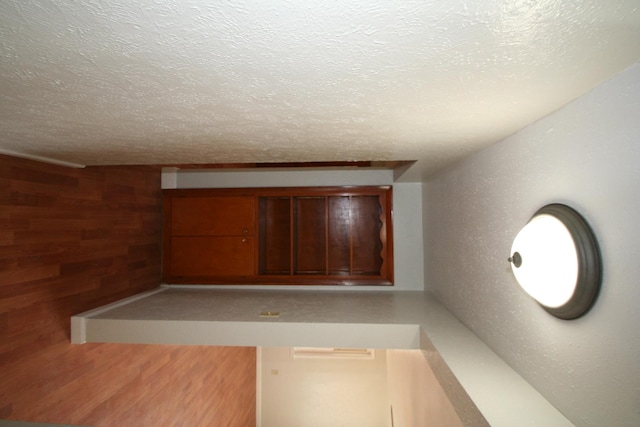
332, 353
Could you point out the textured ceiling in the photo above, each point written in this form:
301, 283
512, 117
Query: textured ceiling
196, 81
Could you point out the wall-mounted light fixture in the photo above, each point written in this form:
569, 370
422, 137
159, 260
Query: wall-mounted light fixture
556, 260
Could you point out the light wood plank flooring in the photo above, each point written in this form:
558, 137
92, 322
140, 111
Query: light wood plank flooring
72, 240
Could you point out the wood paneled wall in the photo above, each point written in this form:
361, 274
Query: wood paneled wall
75, 239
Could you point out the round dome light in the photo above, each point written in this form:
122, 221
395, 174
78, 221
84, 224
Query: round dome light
556, 260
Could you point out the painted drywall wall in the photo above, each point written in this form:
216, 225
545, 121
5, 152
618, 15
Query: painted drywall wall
407, 209
330, 392
415, 394
322, 392
586, 155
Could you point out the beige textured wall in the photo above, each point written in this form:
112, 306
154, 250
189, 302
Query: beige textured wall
586, 155
415, 394
319, 393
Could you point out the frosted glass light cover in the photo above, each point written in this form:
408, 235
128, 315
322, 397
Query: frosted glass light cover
549, 269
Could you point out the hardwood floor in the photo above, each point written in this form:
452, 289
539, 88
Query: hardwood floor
75, 239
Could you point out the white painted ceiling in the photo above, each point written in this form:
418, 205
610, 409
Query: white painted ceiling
200, 81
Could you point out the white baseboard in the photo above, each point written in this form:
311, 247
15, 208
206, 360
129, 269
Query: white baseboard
41, 159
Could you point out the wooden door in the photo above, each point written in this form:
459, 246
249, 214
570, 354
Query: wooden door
213, 216
212, 256
293, 236
208, 236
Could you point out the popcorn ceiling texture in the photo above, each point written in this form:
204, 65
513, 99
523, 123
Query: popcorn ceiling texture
152, 81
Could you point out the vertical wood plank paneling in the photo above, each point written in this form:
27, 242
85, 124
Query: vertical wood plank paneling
75, 239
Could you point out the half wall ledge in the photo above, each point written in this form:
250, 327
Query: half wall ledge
483, 389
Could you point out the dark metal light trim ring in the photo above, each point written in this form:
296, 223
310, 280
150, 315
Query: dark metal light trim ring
589, 262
